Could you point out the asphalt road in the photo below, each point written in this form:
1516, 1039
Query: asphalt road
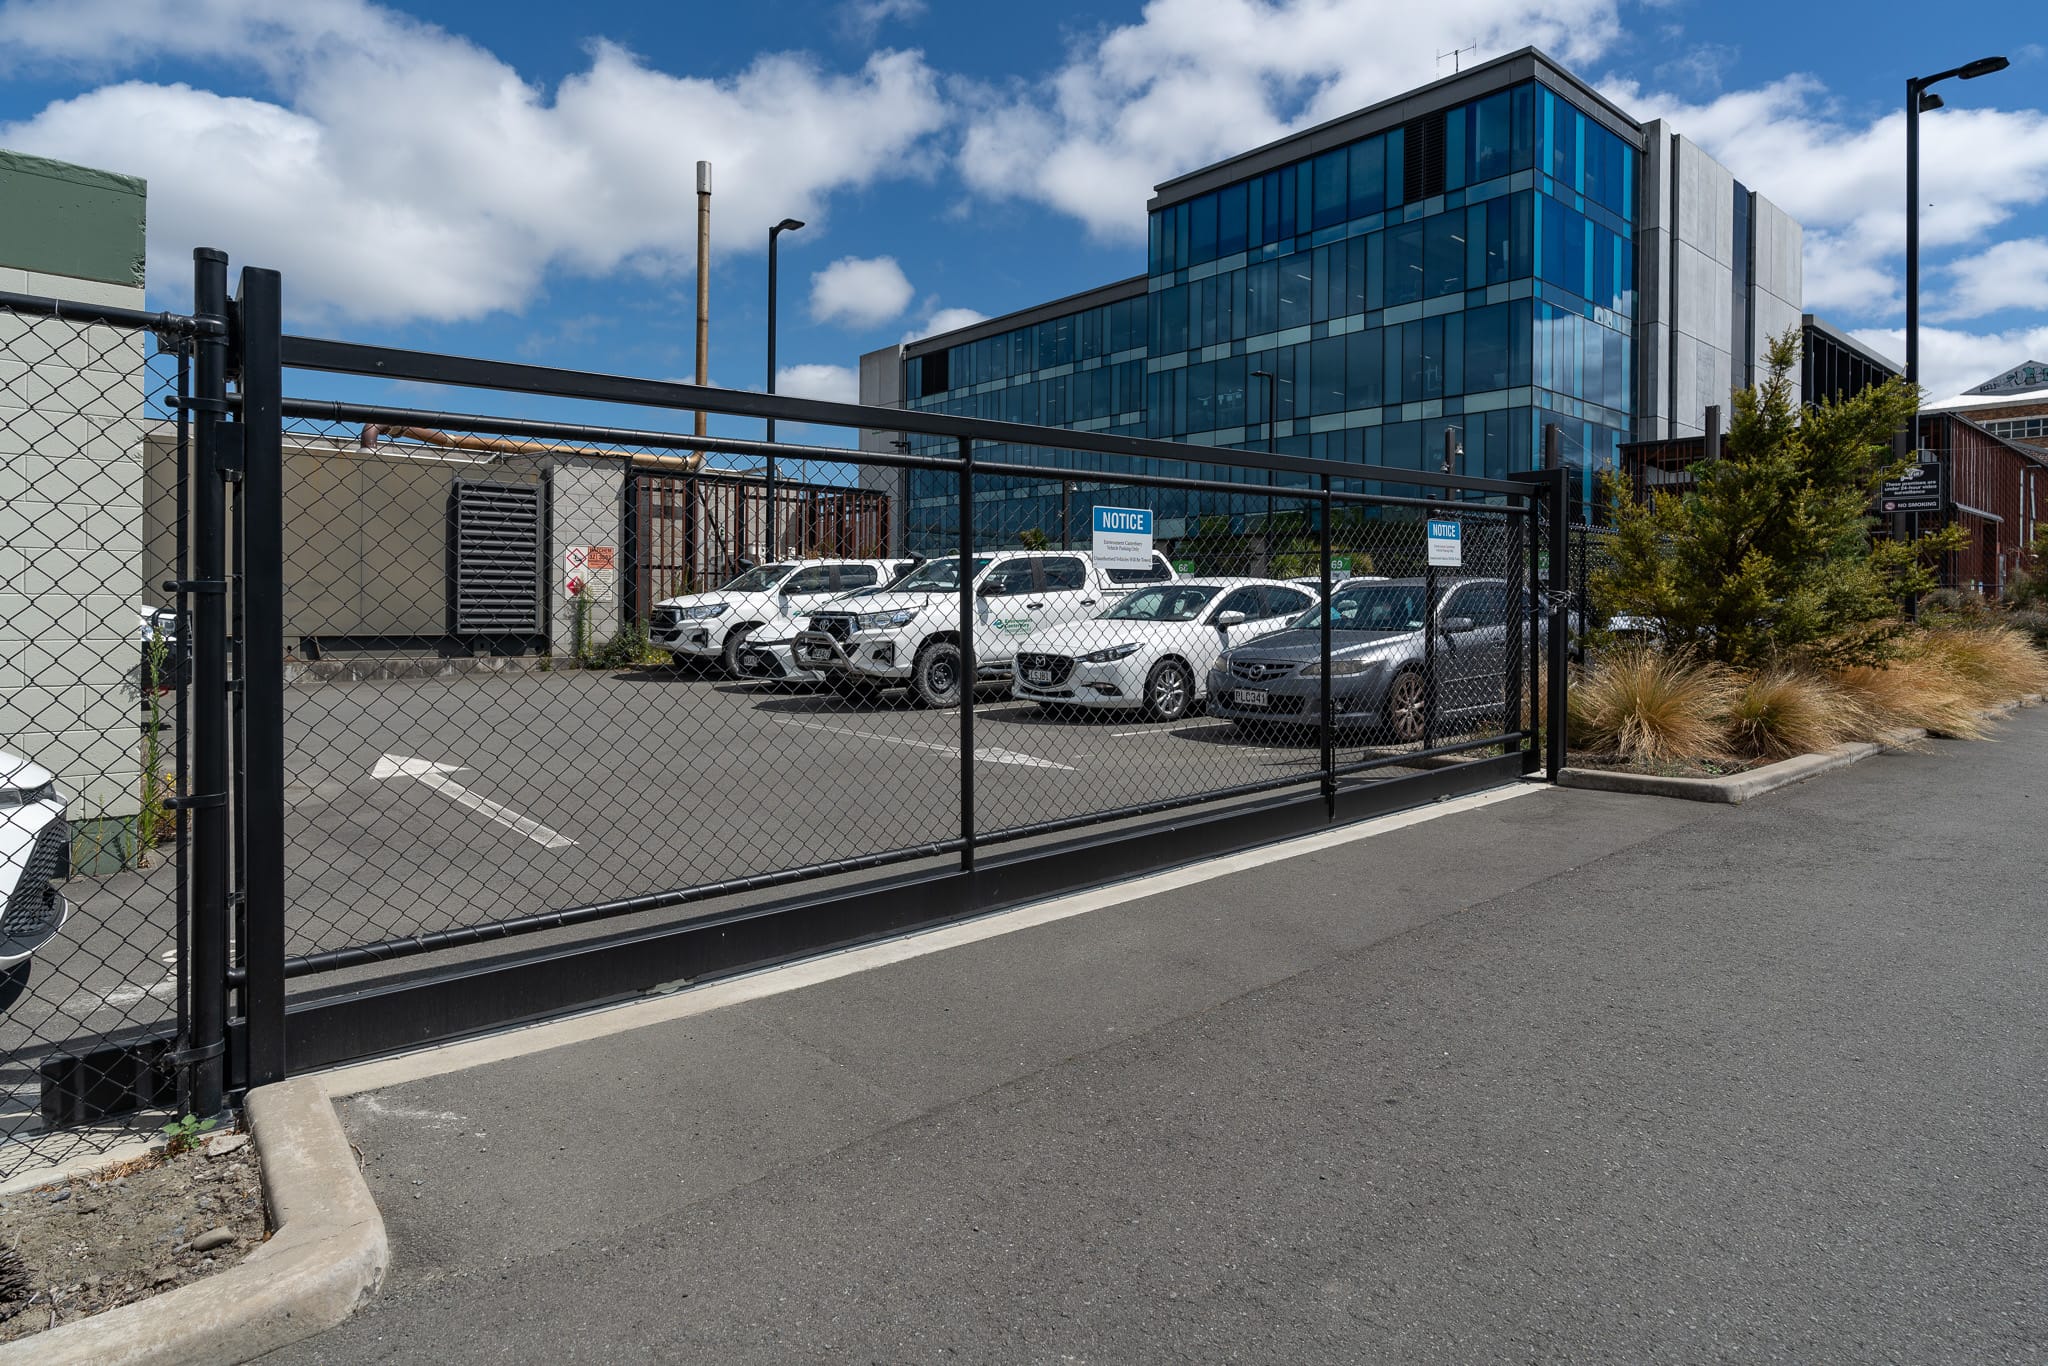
1574, 1077
420, 806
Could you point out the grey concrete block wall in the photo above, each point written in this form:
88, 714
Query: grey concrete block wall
588, 504
71, 529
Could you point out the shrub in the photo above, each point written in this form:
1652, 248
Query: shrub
1641, 703
1771, 551
1781, 712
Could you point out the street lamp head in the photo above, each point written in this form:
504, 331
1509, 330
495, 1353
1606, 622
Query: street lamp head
1929, 102
1983, 66
789, 225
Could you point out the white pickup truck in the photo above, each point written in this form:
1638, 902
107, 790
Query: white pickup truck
908, 635
712, 627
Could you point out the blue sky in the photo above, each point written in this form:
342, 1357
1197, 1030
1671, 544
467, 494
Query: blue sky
514, 179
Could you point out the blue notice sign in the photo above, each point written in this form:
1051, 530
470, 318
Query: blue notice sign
1446, 545
1123, 538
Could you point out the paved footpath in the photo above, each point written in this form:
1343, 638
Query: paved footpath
1572, 1076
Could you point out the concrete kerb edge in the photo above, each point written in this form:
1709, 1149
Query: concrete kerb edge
328, 1255
1740, 787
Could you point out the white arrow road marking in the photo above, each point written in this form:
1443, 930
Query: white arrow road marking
993, 756
436, 777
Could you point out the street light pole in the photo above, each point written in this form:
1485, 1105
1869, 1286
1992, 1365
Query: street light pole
786, 225
1919, 100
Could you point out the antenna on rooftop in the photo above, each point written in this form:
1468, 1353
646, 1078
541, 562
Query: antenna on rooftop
1454, 54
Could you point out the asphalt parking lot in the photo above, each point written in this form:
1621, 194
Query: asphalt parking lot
426, 805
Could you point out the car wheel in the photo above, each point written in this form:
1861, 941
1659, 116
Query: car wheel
1407, 708
735, 641
935, 677
1169, 691
13, 982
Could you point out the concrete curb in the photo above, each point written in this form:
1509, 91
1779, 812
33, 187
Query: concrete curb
1736, 787
328, 1255
403, 668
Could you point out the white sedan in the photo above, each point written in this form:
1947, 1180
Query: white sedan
35, 854
1154, 649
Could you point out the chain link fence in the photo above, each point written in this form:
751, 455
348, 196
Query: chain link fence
94, 669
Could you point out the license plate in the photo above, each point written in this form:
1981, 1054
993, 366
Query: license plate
816, 652
1248, 697
1038, 675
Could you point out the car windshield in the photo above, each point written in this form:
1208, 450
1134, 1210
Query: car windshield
938, 576
760, 578
1169, 602
1370, 607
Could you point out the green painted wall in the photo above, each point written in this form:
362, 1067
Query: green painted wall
67, 220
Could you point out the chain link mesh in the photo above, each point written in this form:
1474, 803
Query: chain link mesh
93, 671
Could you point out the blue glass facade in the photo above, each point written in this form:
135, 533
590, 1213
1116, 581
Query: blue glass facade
1473, 268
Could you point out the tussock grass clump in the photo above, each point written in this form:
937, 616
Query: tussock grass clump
1780, 712
1913, 691
1988, 663
1642, 704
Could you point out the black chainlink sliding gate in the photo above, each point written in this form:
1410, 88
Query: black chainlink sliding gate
584, 789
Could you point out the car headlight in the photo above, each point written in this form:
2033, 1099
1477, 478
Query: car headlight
1340, 668
702, 613
28, 796
876, 621
1114, 652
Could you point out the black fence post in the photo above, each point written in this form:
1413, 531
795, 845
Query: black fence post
1511, 685
262, 501
1560, 624
206, 1050
1532, 758
967, 665
1429, 586
1328, 729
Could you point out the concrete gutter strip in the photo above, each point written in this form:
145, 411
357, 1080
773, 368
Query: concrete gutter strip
328, 1255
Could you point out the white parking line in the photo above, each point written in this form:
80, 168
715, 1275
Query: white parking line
435, 776
1169, 730
993, 756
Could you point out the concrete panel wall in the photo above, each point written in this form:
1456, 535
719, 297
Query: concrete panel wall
1699, 306
1775, 301
71, 528
881, 385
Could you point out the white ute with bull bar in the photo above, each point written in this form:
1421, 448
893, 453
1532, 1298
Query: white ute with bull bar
908, 635
715, 627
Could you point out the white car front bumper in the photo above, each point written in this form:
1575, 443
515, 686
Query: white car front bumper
1065, 681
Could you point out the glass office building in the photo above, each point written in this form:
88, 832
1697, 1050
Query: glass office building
1471, 256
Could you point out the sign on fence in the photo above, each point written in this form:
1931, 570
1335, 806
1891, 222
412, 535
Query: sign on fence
1446, 545
1917, 490
1123, 538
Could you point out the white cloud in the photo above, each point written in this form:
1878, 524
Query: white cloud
860, 292
944, 320
1193, 81
833, 383
859, 19
408, 173
1951, 360
2011, 274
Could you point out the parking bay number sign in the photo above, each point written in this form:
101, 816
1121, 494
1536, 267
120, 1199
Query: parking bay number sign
1446, 545
1123, 538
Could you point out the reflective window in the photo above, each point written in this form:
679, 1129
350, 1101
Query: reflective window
1062, 574
1250, 601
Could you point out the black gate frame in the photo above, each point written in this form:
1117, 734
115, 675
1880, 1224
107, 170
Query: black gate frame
246, 1032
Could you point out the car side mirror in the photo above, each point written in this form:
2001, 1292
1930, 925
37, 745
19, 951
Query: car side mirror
990, 588
1458, 625
1229, 619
